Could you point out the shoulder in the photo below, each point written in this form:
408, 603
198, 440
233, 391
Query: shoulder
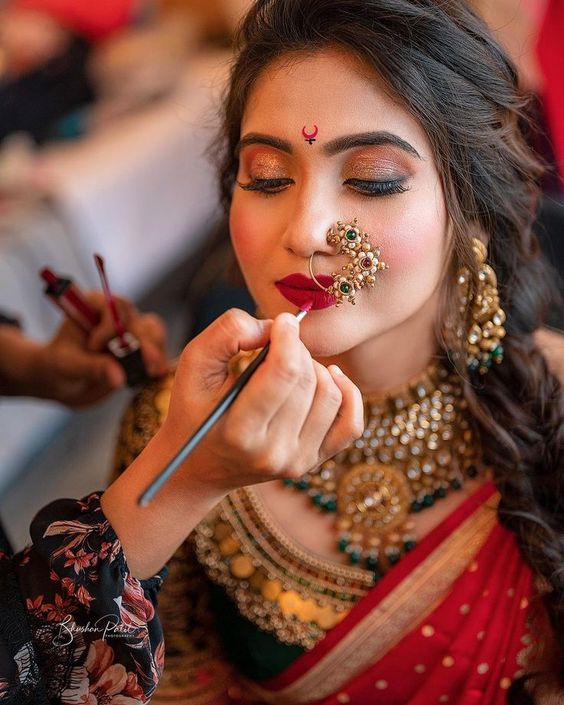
143, 417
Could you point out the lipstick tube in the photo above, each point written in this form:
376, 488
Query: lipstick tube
126, 349
68, 297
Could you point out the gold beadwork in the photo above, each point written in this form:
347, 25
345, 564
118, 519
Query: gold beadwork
355, 275
291, 593
483, 338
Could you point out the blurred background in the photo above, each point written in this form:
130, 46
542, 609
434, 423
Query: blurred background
107, 109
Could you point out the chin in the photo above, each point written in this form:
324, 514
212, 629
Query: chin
326, 340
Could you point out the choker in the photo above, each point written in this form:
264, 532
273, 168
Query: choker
416, 447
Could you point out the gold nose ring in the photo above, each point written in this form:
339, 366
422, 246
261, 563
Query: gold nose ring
360, 271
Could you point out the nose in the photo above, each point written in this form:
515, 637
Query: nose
306, 231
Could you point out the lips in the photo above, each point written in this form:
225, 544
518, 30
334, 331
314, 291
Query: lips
300, 290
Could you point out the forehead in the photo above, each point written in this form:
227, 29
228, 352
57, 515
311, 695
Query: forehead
331, 89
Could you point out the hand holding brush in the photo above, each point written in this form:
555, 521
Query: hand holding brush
291, 414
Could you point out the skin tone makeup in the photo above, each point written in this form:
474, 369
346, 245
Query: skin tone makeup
373, 162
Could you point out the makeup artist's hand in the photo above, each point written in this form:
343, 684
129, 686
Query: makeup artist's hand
74, 368
293, 414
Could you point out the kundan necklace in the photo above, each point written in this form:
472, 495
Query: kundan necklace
417, 445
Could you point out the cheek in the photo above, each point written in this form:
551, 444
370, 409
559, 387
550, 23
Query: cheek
416, 242
245, 236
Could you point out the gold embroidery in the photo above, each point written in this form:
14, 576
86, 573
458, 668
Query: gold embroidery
277, 585
397, 614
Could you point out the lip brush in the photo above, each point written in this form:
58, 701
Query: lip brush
214, 416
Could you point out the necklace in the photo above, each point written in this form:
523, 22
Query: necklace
417, 445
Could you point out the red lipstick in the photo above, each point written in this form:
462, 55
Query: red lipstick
299, 290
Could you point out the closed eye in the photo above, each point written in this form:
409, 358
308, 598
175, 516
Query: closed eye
377, 188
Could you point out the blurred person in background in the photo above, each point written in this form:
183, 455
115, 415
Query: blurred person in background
44, 50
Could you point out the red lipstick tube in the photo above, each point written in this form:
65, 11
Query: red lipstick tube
68, 297
125, 348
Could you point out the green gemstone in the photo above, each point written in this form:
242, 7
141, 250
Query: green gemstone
440, 493
351, 235
428, 500
288, 483
317, 499
456, 484
345, 288
342, 544
330, 505
497, 352
354, 557
473, 366
416, 507
409, 545
372, 563
472, 471
302, 485
393, 558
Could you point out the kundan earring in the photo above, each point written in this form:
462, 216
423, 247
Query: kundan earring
361, 271
483, 337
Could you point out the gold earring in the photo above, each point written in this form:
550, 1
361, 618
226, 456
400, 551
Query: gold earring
361, 271
483, 338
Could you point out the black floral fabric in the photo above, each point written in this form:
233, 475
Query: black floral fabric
75, 626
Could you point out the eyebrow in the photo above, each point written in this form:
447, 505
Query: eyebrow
339, 144
257, 138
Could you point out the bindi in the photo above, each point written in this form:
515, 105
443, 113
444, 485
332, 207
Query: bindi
310, 136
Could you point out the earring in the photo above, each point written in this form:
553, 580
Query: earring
361, 271
483, 338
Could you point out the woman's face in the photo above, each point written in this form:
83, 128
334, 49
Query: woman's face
371, 160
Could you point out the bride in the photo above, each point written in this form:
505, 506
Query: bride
407, 545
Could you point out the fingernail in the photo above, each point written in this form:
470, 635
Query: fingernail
290, 320
337, 370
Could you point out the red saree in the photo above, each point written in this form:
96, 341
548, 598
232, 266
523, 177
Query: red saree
448, 624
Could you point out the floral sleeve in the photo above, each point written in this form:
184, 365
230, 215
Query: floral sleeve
93, 626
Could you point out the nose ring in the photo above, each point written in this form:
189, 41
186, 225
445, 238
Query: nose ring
360, 271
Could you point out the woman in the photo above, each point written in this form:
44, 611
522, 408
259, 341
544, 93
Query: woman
378, 142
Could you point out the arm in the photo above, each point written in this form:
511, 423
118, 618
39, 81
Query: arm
93, 627
17, 360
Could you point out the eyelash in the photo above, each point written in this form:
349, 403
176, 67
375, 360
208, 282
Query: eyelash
267, 187
372, 189
369, 189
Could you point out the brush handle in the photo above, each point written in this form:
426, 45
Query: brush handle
214, 416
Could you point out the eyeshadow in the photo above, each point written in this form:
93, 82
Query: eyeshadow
375, 166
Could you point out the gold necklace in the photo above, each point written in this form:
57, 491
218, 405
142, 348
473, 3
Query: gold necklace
417, 445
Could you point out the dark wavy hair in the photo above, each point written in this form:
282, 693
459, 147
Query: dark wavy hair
438, 57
